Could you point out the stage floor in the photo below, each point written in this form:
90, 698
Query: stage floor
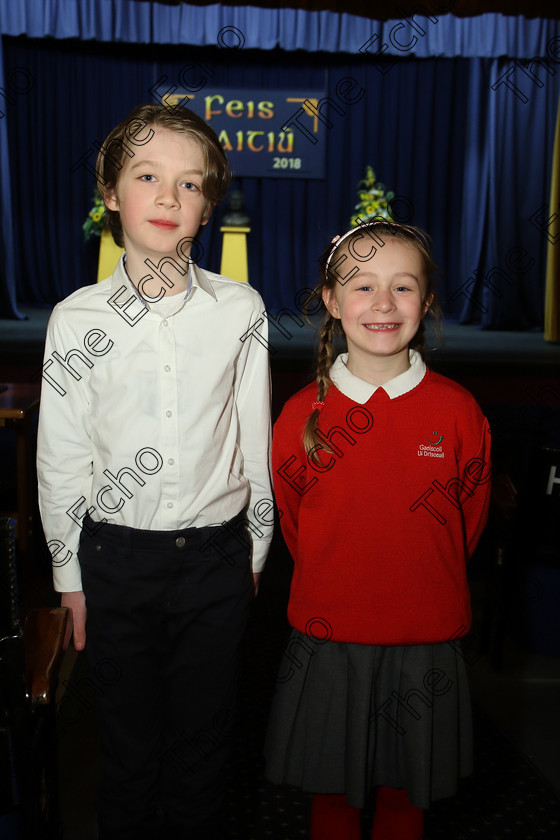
465, 348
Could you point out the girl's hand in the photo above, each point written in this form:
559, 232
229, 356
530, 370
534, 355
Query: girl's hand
76, 603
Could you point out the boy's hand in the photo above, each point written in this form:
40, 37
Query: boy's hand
256, 578
76, 602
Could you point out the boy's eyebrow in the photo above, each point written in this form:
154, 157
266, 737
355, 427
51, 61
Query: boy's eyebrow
155, 165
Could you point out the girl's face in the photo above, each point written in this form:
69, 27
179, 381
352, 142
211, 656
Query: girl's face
380, 307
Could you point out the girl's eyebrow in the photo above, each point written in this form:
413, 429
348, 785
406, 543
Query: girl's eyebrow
365, 273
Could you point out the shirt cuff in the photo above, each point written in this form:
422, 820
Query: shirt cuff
260, 552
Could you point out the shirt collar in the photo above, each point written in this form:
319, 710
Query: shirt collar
199, 278
361, 391
196, 279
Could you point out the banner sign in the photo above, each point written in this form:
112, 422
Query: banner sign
265, 133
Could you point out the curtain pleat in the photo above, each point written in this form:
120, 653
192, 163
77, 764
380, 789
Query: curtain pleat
8, 264
550, 224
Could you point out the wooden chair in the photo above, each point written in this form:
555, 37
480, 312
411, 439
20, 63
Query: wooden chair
29, 662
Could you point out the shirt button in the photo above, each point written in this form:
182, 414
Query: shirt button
171, 461
180, 542
167, 368
168, 413
165, 323
169, 504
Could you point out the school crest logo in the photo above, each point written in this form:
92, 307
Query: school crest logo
434, 446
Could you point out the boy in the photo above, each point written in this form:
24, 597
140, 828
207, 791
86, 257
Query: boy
154, 440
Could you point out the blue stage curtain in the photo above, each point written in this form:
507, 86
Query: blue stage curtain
470, 162
8, 262
508, 159
486, 35
468, 167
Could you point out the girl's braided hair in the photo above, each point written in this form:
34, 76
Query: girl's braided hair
378, 232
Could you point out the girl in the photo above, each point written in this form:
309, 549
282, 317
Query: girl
382, 479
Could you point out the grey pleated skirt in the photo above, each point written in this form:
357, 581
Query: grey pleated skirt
346, 718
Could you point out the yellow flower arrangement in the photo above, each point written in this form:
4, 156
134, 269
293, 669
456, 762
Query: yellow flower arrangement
374, 201
96, 219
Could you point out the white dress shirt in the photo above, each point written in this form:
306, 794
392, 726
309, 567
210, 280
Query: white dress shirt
154, 416
361, 391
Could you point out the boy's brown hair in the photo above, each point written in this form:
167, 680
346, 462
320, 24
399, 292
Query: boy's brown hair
136, 130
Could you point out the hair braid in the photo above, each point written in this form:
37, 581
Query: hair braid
325, 358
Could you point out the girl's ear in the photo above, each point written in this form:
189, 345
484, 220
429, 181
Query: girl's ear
330, 302
427, 303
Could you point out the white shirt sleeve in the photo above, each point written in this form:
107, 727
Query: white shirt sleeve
253, 406
64, 454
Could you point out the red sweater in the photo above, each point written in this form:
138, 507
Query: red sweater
381, 533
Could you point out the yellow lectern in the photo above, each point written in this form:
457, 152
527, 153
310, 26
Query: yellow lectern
234, 253
109, 255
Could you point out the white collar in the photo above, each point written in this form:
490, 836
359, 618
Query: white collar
361, 391
196, 279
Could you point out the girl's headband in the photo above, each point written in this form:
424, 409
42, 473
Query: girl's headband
338, 240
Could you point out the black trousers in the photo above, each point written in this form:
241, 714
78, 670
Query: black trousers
166, 613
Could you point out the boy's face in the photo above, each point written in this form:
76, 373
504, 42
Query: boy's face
159, 198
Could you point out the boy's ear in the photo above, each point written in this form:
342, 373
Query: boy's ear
330, 302
111, 201
207, 213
